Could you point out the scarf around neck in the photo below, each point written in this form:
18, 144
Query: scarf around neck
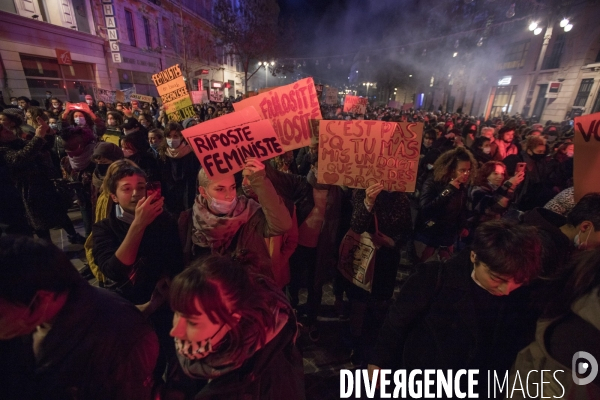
181, 151
218, 231
220, 363
80, 162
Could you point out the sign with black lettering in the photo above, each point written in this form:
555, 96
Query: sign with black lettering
223, 144
173, 93
587, 155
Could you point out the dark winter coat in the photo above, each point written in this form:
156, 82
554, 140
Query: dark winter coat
178, 177
100, 347
442, 213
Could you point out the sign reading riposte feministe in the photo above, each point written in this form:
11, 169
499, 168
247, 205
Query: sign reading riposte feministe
291, 109
173, 93
223, 144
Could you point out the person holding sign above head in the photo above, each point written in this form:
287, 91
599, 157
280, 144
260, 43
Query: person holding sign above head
179, 167
221, 222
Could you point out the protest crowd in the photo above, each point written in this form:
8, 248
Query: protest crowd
200, 275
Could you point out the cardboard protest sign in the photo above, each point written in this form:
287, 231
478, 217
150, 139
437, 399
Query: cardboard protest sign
393, 104
119, 96
358, 154
105, 95
140, 97
290, 109
331, 95
587, 155
173, 92
355, 104
83, 107
196, 96
216, 95
222, 144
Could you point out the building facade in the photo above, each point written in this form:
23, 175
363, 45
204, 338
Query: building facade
549, 76
114, 47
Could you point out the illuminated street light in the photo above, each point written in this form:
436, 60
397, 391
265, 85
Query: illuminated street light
537, 31
533, 26
568, 27
564, 22
455, 54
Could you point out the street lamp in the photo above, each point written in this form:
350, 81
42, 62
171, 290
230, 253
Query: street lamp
266, 65
367, 84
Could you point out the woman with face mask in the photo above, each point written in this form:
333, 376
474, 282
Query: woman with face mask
178, 168
155, 138
237, 330
221, 222
481, 149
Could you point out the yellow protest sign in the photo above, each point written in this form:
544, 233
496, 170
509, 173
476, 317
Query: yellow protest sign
290, 109
358, 154
173, 92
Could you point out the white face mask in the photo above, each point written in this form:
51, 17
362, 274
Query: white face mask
89, 102
54, 126
221, 206
56, 105
569, 154
486, 150
80, 121
173, 143
14, 103
578, 244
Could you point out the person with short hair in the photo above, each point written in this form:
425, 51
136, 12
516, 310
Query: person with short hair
179, 168
69, 337
236, 329
466, 313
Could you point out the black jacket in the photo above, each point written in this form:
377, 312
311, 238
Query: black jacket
443, 320
274, 372
442, 211
540, 179
179, 177
99, 347
160, 253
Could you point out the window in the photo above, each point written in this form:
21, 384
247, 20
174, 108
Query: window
583, 93
130, 29
598, 57
66, 82
552, 59
148, 33
515, 56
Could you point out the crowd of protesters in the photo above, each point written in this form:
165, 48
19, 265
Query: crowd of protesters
199, 277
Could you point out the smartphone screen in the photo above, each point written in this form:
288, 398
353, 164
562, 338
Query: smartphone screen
520, 167
154, 188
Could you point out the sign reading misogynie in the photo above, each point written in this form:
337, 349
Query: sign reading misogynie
173, 93
358, 154
587, 155
355, 104
291, 109
223, 144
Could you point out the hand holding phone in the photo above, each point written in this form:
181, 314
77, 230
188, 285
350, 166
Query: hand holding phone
154, 188
521, 167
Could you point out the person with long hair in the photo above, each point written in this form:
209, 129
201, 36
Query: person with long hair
443, 203
492, 192
236, 329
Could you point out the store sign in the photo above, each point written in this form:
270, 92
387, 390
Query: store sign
63, 57
217, 85
111, 30
505, 80
553, 89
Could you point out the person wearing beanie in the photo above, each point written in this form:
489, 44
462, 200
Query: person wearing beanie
134, 130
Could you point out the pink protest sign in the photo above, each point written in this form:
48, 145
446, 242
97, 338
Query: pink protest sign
355, 104
223, 144
290, 109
